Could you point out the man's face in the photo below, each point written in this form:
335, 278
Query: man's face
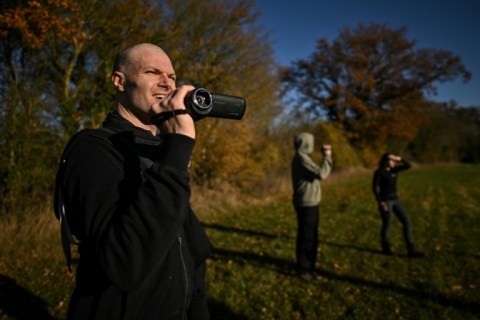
145, 80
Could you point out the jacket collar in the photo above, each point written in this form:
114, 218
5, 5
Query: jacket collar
116, 123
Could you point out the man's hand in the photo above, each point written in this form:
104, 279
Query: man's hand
327, 150
181, 123
395, 157
382, 206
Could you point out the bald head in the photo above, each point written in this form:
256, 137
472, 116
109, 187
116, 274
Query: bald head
143, 75
128, 56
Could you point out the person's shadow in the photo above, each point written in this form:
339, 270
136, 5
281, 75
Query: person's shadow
18, 303
219, 311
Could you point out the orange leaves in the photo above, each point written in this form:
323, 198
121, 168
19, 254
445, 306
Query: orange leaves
372, 81
223, 151
36, 20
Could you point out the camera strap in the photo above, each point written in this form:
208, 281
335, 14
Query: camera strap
165, 115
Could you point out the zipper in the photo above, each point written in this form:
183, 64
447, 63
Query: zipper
185, 275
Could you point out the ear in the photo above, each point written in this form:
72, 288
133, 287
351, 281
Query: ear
118, 80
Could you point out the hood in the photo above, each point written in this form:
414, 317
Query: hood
304, 142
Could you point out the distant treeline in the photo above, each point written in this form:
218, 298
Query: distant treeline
55, 80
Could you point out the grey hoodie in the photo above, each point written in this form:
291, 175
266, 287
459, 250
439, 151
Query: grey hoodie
306, 174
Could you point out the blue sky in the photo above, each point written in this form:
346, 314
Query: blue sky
453, 25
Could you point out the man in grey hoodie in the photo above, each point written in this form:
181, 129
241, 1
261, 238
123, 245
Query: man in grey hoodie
306, 177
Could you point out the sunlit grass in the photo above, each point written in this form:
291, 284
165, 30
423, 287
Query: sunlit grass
250, 274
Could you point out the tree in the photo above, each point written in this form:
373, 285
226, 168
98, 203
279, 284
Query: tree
55, 79
24, 111
370, 78
228, 54
49, 87
451, 134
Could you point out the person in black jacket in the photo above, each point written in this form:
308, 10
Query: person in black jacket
385, 191
124, 190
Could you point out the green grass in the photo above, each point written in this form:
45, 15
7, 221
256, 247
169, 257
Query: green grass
250, 274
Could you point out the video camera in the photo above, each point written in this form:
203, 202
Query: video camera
201, 103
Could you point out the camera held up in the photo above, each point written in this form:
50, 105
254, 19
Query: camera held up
201, 103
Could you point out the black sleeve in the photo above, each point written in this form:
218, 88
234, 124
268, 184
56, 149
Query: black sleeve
376, 185
130, 226
405, 165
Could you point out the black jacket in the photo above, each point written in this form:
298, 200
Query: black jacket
126, 195
384, 183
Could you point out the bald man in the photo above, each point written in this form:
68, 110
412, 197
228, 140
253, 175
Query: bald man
124, 190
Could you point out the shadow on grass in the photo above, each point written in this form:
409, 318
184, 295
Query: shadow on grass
244, 231
470, 307
458, 252
463, 253
17, 302
219, 311
286, 267
279, 265
349, 246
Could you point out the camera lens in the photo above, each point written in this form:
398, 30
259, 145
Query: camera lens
201, 101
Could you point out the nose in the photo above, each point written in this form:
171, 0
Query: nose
163, 80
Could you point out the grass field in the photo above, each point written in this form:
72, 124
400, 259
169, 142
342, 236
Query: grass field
250, 274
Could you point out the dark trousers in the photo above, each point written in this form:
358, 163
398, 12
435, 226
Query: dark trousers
307, 238
396, 207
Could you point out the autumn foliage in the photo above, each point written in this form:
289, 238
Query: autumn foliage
373, 83
364, 92
38, 19
56, 63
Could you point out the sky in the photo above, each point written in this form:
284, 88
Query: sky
452, 25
